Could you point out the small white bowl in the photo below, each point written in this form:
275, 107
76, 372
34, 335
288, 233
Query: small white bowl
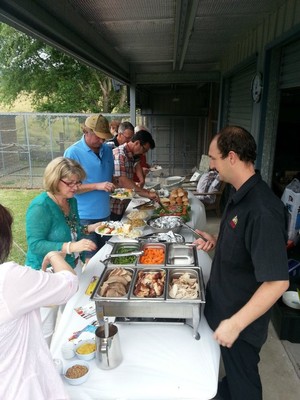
291, 299
81, 379
88, 356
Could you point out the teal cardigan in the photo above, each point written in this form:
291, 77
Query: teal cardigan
47, 230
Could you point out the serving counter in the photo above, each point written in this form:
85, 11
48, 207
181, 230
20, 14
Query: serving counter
160, 360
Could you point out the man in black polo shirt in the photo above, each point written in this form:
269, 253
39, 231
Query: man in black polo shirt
250, 268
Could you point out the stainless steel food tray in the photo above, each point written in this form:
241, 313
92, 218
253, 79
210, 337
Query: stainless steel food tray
152, 271
181, 255
113, 262
163, 307
104, 276
161, 246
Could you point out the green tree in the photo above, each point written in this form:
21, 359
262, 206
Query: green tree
55, 81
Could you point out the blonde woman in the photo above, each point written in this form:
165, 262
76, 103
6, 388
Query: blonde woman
52, 223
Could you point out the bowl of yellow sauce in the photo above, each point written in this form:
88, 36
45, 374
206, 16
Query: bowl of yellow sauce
85, 350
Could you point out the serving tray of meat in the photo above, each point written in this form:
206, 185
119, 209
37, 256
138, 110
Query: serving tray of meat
149, 283
151, 292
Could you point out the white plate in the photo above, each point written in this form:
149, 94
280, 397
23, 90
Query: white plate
122, 194
117, 228
291, 299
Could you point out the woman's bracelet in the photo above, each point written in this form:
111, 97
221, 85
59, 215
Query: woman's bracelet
85, 230
68, 247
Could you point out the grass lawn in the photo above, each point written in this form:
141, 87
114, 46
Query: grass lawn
17, 201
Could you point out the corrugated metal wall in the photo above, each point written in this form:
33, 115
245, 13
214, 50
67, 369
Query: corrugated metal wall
178, 142
290, 66
281, 21
240, 104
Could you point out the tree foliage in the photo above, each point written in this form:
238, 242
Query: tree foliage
54, 81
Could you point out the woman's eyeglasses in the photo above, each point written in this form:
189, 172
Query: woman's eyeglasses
71, 184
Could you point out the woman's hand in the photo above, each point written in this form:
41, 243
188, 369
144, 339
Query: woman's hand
93, 227
82, 245
49, 258
208, 245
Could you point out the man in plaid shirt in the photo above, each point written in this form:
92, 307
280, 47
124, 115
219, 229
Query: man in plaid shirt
124, 161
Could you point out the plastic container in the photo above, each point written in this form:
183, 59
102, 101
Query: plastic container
68, 350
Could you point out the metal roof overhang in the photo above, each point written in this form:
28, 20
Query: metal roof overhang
38, 19
142, 42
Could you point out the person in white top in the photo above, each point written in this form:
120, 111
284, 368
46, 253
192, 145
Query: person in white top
27, 371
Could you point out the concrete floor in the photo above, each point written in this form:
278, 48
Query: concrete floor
279, 378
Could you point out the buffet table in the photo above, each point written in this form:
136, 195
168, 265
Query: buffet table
160, 360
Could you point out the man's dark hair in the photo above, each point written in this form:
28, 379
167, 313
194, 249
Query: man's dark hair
239, 140
125, 125
144, 137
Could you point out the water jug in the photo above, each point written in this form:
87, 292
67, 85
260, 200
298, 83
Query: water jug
108, 349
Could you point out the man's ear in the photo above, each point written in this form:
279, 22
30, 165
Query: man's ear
232, 157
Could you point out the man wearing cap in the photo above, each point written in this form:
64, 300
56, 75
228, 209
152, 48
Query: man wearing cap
96, 158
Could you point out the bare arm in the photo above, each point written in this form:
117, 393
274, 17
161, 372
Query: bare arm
140, 174
125, 182
261, 301
89, 187
58, 262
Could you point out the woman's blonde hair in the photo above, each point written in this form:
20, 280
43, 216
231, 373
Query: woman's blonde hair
61, 168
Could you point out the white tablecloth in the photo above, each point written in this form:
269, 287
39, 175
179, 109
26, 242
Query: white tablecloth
160, 361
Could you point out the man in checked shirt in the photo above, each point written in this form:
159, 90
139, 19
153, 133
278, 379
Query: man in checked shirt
124, 161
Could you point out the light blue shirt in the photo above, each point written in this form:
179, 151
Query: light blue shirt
94, 204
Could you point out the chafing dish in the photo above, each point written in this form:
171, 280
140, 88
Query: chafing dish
159, 307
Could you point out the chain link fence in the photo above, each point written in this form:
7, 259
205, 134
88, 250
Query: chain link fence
29, 141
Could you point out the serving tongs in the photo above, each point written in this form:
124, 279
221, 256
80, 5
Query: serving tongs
150, 236
192, 230
132, 253
147, 203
